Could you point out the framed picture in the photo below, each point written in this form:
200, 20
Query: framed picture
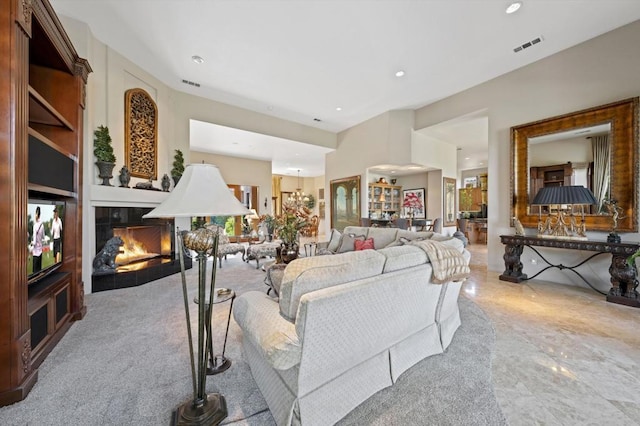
449, 200
321, 209
417, 213
345, 202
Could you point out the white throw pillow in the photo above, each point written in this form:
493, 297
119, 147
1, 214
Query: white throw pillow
334, 241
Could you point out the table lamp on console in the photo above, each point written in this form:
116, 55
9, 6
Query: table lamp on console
561, 200
201, 192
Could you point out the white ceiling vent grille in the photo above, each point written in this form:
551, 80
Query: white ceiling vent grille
528, 44
191, 83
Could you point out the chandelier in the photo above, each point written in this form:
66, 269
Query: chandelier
298, 198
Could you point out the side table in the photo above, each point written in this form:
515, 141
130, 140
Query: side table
218, 363
275, 272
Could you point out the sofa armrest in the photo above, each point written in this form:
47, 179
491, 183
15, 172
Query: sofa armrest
259, 317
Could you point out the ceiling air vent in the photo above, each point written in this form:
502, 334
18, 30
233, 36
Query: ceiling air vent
528, 44
191, 83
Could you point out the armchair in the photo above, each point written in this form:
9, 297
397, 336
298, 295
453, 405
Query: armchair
225, 246
311, 230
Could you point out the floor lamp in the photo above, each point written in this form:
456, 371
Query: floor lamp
201, 192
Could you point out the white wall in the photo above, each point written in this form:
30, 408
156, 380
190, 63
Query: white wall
596, 72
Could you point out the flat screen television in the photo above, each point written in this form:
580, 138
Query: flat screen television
45, 237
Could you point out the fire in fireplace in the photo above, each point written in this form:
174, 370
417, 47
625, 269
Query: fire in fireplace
143, 242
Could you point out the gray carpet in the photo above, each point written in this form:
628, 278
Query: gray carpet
126, 363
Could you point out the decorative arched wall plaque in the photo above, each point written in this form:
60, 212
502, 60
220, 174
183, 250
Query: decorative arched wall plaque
141, 134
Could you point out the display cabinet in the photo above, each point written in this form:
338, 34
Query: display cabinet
384, 199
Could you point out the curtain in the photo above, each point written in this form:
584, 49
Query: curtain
276, 182
601, 168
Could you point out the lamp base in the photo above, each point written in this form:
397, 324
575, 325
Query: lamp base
212, 412
220, 365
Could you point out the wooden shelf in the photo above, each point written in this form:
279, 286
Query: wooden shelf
42, 112
52, 144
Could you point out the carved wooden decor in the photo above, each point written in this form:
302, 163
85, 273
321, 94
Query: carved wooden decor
141, 134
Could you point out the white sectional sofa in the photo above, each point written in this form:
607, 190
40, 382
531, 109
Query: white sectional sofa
349, 324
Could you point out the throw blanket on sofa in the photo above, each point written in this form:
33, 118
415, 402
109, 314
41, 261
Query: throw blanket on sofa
447, 262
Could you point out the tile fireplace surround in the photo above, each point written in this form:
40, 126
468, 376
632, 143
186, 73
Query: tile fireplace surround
149, 252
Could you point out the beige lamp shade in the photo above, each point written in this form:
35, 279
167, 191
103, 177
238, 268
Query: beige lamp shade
200, 192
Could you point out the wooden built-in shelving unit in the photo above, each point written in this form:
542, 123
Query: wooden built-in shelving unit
41, 108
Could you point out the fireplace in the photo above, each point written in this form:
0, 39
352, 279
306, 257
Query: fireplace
148, 252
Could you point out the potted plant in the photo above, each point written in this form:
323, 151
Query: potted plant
105, 159
287, 226
270, 223
310, 202
178, 167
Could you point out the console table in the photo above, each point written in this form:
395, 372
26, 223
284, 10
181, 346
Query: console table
623, 277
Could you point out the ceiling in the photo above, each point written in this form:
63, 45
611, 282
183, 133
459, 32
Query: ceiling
301, 60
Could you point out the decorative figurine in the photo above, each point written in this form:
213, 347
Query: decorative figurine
105, 260
125, 177
614, 210
166, 183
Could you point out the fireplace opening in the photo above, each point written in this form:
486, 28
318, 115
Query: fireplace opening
143, 242
148, 252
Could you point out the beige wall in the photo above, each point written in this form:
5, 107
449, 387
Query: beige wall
596, 72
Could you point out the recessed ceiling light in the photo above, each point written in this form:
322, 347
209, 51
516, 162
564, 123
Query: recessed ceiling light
393, 171
467, 158
513, 7
197, 59
399, 73
338, 109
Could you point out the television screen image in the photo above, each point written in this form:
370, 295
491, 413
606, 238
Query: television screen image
44, 239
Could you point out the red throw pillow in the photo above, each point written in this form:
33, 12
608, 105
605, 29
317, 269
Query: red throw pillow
364, 245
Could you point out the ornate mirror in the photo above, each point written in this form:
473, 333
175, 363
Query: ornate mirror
597, 148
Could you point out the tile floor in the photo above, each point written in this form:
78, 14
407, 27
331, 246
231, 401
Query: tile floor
564, 356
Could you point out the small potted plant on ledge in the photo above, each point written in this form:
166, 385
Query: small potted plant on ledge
105, 159
178, 167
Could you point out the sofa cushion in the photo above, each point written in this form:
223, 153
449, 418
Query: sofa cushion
276, 338
334, 241
403, 236
454, 242
401, 257
308, 274
348, 242
382, 236
357, 230
367, 244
